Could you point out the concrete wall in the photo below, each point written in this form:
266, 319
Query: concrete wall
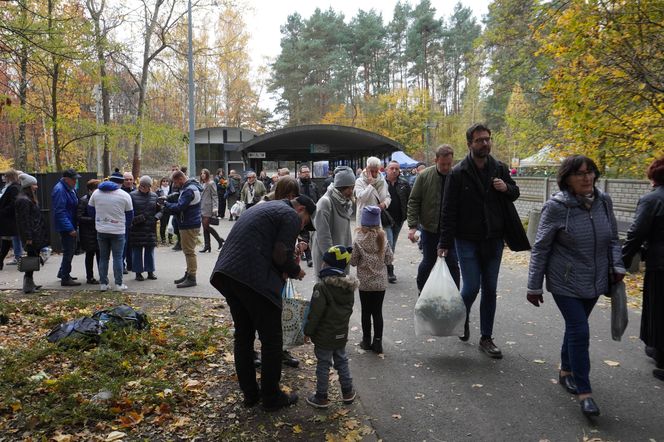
625, 194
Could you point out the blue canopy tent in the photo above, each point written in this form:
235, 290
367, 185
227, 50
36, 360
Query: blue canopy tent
404, 160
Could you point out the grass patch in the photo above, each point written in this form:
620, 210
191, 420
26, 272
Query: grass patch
173, 381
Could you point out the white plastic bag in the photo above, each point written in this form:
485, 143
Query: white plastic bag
440, 311
169, 228
238, 208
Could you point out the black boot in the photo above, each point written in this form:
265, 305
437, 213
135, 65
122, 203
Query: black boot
220, 242
28, 284
205, 249
177, 247
391, 277
151, 276
366, 343
189, 282
181, 280
377, 345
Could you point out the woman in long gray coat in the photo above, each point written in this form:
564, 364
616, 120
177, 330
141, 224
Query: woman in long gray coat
576, 248
333, 214
209, 208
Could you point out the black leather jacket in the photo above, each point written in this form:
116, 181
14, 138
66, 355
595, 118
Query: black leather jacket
647, 229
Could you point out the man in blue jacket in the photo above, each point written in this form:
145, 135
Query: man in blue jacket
257, 258
187, 212
64, 203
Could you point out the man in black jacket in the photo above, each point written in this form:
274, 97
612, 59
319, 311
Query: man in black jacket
262, 242
399, 191
473, 222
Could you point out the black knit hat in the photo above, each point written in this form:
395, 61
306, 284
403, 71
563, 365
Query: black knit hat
338, 257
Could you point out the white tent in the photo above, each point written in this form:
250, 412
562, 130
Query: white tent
545, 157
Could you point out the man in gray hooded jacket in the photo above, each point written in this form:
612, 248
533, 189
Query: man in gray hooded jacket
334, 211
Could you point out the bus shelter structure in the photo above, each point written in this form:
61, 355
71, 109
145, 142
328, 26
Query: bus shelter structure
322, 146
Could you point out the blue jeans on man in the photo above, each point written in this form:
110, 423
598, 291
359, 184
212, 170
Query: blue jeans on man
108, 243
429, 243
480, 264
18, 247
574, 355
392, 234
142, 259
68, 250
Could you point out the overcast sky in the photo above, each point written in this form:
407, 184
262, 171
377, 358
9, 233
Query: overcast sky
267, 16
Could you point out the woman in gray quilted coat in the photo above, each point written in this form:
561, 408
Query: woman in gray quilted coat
577, 249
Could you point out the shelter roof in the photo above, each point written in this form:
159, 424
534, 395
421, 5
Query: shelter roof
321, 142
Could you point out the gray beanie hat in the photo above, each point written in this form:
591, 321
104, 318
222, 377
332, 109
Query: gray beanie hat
344, 177
145, 181
26, 180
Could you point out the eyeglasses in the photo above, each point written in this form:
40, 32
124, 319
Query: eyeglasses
582, 174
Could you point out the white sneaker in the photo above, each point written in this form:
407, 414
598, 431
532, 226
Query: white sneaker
103, 287
121, 287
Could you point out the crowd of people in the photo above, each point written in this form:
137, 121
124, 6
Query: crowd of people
464, 213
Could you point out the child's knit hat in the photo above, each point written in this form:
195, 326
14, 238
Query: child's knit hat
337, 259
370, 216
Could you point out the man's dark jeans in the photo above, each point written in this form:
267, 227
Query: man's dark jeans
480, 264
68, 250
429, 243
574, 354
253, 312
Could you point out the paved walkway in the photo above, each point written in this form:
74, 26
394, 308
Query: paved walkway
442, 389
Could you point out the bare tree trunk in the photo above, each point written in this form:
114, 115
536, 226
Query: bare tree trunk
22, 154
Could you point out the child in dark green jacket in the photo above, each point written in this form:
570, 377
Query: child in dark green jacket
327, 324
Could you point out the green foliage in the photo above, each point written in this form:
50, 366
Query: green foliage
607, 84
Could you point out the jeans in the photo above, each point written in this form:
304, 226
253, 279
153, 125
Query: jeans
142, 259
18, 247
574, 355
253, 312
325, 358
429, 243
372, 307
126, 253
68, 249
480, 264
392, 234
108, 243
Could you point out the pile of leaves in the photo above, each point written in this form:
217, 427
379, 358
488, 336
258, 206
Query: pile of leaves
175, 381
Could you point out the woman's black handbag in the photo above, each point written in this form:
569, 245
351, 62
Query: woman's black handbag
214, 221
28, 264
386, 219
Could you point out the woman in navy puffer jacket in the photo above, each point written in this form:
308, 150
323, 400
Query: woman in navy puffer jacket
577, 250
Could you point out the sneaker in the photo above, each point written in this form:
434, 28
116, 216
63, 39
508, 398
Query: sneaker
103, 287
283, 400
121, 287
349, 397
488, 347
317, 402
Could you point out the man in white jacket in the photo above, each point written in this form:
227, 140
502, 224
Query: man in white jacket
371, 188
